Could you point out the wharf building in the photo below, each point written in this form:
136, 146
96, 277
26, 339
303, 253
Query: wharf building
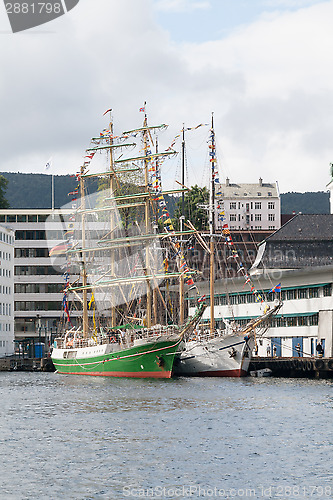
251, 206
299, 256
37, 286
7, 346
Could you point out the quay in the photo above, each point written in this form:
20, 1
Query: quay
292, 367
305, 367
18, 363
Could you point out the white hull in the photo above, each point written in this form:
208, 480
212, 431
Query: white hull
223, 356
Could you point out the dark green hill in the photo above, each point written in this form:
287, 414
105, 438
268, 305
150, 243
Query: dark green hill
34, 190
307, 203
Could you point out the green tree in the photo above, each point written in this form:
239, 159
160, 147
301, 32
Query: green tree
3, 187
198, 216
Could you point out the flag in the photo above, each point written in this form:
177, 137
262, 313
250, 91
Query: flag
48, 164
142, 110
65, 305
58, 249
276, 288
91, 300
107, 111
201, 299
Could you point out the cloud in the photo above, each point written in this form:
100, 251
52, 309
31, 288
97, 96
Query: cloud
181, 5
291, 4
276, 119
269, 84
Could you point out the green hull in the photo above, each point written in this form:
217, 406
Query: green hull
153, 360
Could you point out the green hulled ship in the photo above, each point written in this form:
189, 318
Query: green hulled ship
123, 241
149, 353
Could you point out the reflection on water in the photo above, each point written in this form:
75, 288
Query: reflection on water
76, 437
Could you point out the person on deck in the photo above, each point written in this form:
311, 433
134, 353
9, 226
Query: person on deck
298, 349
320, 349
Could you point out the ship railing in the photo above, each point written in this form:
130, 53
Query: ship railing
74, 340
204, 336
156, 331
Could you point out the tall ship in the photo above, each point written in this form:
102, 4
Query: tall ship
122, 240
226, 352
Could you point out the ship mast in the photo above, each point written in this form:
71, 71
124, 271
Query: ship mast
212, 227
83, 256
112, 187
181, 280
155, 298
147, 213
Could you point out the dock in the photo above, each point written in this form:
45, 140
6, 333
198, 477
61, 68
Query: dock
294, 366
16, 363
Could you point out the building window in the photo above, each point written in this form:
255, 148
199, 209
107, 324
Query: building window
257, 217
271, 217
327, 290
302, 293
291, 294
257, 227
259, 194
269, 193
271, 227
302, 321
233, 205
313, 320
257, 205
313, 293
233, 217
292, 321
271, 205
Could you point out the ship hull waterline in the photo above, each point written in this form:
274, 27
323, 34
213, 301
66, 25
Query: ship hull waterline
151, 360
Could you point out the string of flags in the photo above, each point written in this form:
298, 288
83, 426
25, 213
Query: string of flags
165, 219
225, 228
173, 142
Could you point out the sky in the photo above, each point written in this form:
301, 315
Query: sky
263, 67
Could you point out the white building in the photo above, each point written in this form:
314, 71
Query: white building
305, 317
251, 206
300, 257
37, 286
6, 291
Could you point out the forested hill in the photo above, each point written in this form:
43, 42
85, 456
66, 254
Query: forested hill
307, 203
34, 191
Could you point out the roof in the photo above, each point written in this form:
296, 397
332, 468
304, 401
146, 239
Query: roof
305, 227
233, 190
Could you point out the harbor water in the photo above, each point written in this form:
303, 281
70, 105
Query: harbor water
77, 437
